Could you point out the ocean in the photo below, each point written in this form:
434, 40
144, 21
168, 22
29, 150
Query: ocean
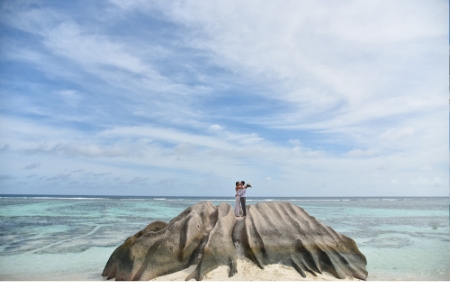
71, 237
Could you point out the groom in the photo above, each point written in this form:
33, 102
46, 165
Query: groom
242, 192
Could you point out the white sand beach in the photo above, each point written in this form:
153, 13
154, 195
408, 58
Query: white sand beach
248, 271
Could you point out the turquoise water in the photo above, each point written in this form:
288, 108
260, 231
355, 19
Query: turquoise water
71, 238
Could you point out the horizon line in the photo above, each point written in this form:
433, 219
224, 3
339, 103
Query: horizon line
194, 196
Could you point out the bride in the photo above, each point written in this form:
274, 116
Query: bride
237, 208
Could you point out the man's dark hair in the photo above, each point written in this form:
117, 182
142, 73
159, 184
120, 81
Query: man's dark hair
243, 182
237, 182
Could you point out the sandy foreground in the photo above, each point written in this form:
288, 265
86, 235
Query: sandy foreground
248, 271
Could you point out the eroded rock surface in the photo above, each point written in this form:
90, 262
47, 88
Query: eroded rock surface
210, 236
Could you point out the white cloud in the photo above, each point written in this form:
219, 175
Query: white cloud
202, 154
427, 182
130, 5
215, 128
398, 134
93, 50
87, 150
363, 153
294, 142
332, 64
184, 149
71, 97
166, 135
114, 62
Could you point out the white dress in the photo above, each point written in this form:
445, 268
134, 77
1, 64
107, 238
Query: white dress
237, 208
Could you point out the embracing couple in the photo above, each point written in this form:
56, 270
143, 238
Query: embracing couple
241, 190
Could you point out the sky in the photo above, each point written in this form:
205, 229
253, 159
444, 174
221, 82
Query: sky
184, 98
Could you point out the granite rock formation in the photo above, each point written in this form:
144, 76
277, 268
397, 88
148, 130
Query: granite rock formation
210, 236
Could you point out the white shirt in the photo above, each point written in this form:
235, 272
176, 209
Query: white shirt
242, 192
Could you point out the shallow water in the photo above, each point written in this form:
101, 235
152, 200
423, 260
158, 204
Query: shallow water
71, 238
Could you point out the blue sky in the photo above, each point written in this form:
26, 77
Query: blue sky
300, 98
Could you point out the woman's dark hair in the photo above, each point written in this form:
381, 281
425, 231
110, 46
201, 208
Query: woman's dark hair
243, 182
237, 182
